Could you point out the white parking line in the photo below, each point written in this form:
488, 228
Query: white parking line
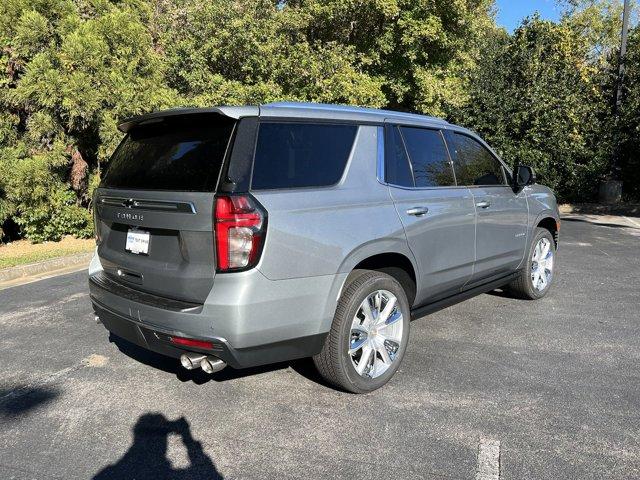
488, 459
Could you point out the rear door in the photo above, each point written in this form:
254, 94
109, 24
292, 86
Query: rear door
438, 217
154, 207
501, 214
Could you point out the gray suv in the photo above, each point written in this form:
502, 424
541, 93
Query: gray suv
250, 235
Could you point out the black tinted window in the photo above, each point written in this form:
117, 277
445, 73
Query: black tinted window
177, 154
429, 158
290, 155
396, 164
474, 164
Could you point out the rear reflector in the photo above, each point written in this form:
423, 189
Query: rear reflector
190, 342
239, 228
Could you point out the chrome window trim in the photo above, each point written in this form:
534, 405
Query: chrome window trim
380, 156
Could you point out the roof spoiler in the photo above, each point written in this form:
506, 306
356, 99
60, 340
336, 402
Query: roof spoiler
155, 117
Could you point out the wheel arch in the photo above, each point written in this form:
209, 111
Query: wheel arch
550, 223
388, 256
394, 264
375, 254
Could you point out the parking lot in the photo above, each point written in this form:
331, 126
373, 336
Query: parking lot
555, 383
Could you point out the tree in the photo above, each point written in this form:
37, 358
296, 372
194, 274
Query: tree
72, 69
248, 52
629, 123
538, 99
420, 50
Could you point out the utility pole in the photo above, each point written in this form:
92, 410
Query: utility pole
611, 189
623, 51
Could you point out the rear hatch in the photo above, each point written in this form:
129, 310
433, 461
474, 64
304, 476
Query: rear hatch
154, 207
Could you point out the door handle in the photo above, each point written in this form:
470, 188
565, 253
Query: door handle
483, 204
417, 211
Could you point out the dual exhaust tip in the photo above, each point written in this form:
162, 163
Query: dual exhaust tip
208, 364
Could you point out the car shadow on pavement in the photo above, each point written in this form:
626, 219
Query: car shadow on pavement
303, 366
147, 456
172, 365
502, 293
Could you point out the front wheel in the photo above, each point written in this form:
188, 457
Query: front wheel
536, 278
369, 334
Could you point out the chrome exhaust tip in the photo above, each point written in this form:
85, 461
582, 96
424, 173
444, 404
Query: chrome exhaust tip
191, 360
212, 364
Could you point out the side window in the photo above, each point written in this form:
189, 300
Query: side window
474, 164
429, 157
293, 155
397, 170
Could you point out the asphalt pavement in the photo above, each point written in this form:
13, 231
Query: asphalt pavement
539, 390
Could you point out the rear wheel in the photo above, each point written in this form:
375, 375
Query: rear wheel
536, 278
369, 334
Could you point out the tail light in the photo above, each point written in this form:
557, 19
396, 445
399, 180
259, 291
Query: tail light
240, 224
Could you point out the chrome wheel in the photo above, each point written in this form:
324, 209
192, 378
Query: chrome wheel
376, 333
542, 264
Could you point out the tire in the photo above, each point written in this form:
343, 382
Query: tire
523, 286
369, 337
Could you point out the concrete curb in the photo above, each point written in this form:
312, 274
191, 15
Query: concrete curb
44, 267
622, 209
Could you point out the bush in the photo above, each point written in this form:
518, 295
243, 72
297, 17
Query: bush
629, 124
540, 101
73, 68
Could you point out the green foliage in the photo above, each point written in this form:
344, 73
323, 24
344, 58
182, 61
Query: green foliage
539, 100
419, 51
629, 124
72, 69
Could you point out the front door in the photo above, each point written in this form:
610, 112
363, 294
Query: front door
501, 230
438, 217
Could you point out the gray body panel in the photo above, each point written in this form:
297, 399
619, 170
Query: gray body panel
315, 237
324, 231
442, 241
501, 231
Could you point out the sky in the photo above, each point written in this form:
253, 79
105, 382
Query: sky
511, 12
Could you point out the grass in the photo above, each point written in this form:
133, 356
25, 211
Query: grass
23, 252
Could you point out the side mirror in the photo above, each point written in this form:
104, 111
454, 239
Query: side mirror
523, 176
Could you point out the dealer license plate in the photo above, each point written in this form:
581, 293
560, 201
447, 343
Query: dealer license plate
137, 242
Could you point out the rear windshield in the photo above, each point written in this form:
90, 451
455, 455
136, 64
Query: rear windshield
180, 153
294, 155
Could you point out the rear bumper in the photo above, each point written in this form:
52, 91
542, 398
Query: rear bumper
250, 319
157, 340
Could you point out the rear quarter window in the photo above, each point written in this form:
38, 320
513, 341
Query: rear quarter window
296, 155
